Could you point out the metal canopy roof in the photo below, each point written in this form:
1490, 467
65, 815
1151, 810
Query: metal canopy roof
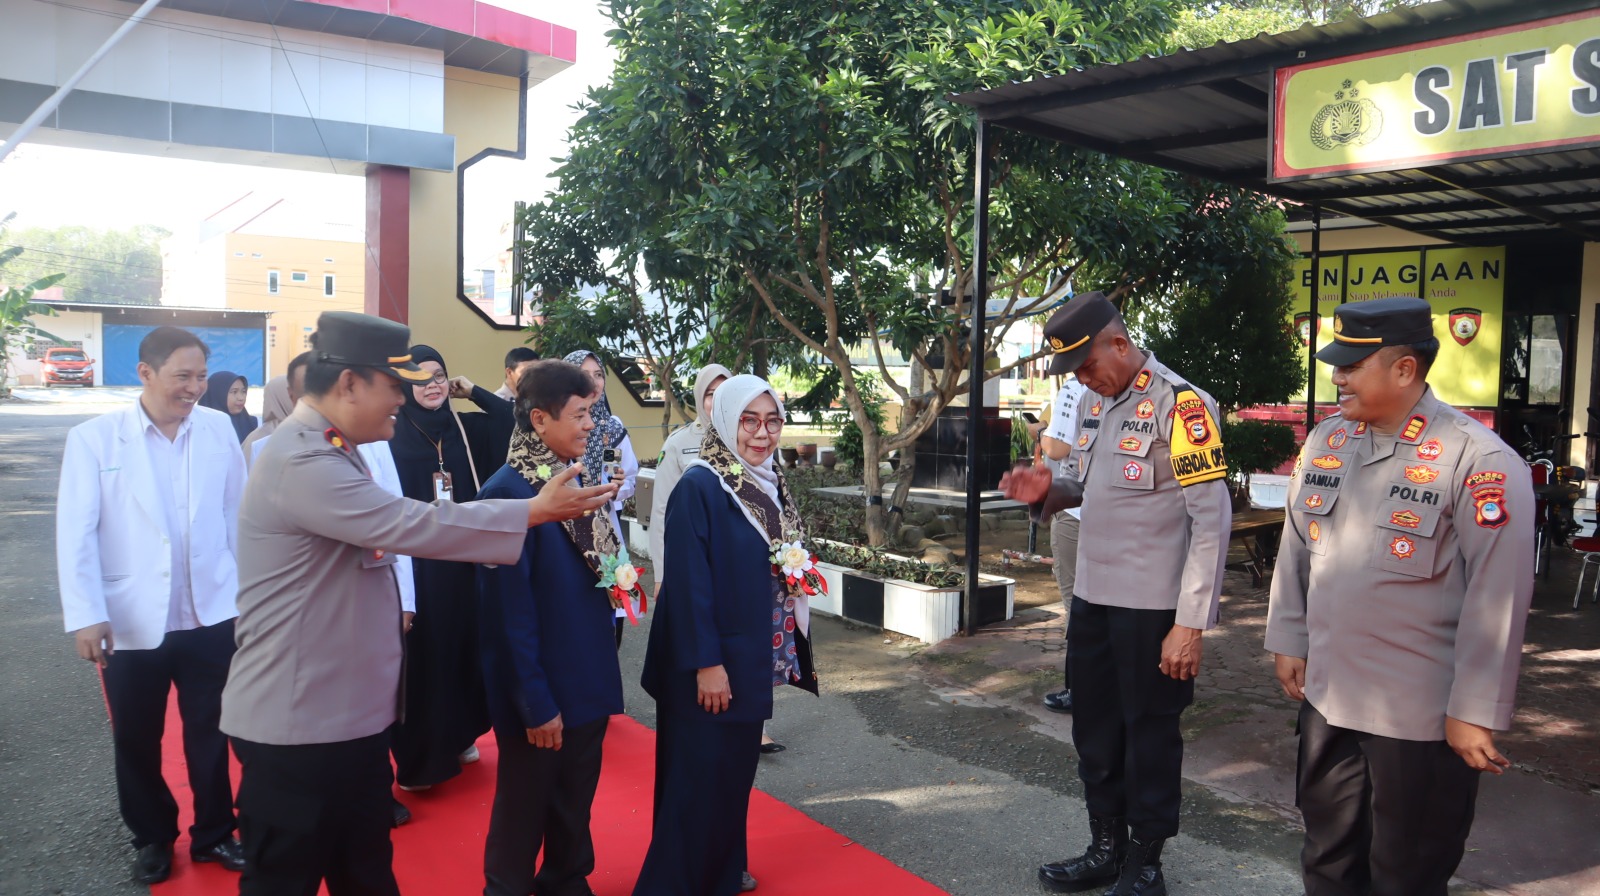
1207, 112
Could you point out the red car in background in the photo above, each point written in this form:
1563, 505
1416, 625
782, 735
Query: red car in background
66, 365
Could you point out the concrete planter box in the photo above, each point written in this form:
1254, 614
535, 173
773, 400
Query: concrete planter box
637, 538
921, 611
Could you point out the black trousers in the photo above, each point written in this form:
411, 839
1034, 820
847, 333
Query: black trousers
542, 799
704, 771
1384, 817
137, 683
310, 813
1125, 716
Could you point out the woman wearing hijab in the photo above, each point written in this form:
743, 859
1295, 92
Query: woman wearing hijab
608, 432
680, 448
275, 407
440, 455
226, 391
732, 624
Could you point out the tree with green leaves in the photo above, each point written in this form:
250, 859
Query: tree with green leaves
810, 151
100, 266
18, 330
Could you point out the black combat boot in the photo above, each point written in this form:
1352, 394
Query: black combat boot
1098, 865
1141, 871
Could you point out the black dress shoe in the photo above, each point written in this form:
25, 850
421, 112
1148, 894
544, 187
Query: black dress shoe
401, 814
153, 864
229, 854
773, 747
746, 882
1059, 701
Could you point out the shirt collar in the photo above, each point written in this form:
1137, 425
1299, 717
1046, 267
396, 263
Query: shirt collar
147, 425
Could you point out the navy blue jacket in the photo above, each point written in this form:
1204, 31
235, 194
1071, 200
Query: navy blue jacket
715, 606
547, 632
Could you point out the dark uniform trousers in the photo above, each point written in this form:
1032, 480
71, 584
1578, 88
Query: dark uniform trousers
315, 812
1384, 816
137, 683
542, 797
1125, 716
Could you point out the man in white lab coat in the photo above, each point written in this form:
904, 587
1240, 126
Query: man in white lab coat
146, 551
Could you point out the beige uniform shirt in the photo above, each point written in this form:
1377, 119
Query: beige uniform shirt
1405, 573
319, 629
1147, 541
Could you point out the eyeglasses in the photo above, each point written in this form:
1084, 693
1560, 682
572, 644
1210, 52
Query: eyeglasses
439, 377
753, 425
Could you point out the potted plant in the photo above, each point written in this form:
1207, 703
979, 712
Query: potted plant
1254, 446
807, 454
790, 455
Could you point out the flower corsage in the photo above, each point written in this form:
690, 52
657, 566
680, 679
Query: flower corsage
798, 567
620, 579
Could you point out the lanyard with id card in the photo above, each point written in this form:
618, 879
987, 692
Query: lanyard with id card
443, 489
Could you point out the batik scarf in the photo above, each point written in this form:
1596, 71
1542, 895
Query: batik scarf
608, 431
762, 493
592, 534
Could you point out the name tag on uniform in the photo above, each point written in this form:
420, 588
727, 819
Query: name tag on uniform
442, 490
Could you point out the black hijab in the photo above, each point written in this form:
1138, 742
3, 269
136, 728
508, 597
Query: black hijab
422, 436
216, 398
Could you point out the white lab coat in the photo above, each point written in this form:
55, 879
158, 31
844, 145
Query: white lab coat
113, 554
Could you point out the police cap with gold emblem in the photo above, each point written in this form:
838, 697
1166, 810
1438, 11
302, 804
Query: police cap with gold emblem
1361, 328
361, 340
1070, 330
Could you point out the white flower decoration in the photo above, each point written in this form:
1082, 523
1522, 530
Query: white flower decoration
794, 559
627, 576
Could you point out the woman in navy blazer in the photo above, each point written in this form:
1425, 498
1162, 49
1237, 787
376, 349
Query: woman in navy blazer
731, 625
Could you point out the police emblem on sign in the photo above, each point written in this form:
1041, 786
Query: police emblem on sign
1350, 120
1304, 326
1464, 324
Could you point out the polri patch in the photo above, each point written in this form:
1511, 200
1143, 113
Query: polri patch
1421, 474
1430, 450
1313, 501
1327, 462
1491, 506
1337, 438
1130, 444
1197, 453
1145, 410
1314, 530
1403, 548
1405, 518
1484, 477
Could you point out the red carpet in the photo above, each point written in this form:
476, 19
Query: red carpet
441, 850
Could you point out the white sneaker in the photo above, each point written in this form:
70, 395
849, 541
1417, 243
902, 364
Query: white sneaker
470, 755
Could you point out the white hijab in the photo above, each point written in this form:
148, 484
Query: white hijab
702, 381
731, 400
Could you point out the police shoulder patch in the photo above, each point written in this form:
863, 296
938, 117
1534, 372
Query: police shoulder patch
1197, 454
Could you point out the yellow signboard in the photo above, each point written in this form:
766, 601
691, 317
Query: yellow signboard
1328, 298
1524, 88
1465, 287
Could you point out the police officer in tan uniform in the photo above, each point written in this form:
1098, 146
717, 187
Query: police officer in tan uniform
316, 681
1397, 612
1148, 469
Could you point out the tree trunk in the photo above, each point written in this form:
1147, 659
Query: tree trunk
872, 483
